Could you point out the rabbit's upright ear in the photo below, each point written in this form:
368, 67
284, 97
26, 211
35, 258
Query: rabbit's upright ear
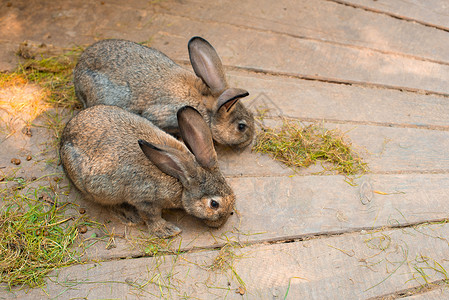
229, 97
206, 64
197, 136
165, 159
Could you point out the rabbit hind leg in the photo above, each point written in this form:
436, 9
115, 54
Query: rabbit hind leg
127, 213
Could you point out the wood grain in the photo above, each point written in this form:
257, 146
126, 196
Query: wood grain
355, 266
328, 21
280, 54
430, 12
314, 100
283, 208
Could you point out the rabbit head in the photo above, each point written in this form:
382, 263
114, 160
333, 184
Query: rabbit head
230, 122
206, 195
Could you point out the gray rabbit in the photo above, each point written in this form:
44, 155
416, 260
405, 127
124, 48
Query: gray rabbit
119, 159
146, 82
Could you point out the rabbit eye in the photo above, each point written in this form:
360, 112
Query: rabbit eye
214, 204
242, 127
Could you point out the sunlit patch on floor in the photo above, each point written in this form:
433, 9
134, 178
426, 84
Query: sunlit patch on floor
20, 102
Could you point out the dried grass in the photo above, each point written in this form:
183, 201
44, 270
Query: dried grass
300, 146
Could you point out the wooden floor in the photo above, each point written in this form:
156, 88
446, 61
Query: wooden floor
378, 70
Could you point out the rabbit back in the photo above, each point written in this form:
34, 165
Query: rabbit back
101, 156
137, 78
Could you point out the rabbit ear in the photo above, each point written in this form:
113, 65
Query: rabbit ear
197, 136
230, 97
206, 64
164, 160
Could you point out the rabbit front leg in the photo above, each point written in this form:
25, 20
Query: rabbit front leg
162, 228
156, 224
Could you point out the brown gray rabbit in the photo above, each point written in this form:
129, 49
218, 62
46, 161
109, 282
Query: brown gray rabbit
146, 82
119, 159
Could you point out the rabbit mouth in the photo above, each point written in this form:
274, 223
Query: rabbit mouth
244, 144
217, 223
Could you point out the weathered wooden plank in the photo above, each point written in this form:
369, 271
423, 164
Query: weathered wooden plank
430, 12
71, 23
324, 21
385, 149
237, 46
250, 49
401, 149
305, 99
274, 208
355, 266
317, 204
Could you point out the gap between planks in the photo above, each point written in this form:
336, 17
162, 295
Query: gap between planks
436, 171
186, 63
290, 238
304, 37
335, 80
396, 16
370, 123
418, 290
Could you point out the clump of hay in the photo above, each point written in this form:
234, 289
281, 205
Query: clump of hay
298, 145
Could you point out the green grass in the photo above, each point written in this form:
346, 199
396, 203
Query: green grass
53, 74
35, 235
299, 146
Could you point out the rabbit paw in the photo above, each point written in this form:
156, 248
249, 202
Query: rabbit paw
164, 229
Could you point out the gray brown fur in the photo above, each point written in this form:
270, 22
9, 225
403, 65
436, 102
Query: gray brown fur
100, 153
146, 82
